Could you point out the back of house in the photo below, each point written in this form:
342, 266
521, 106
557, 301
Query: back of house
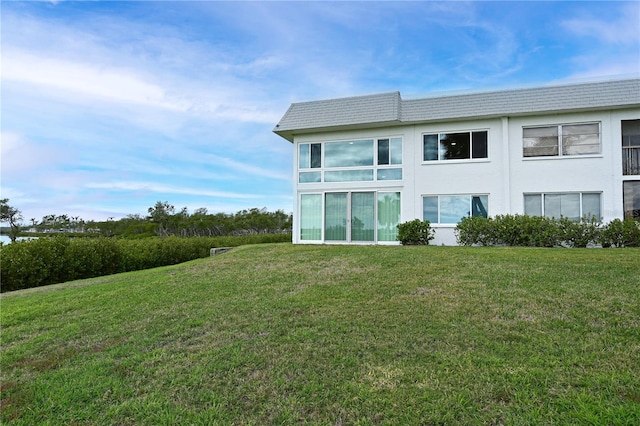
364, 164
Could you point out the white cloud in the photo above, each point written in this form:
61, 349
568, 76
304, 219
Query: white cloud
239, 167
21, 156
113, 84
623, 30
165, 189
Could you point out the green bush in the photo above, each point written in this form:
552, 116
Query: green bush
536, 231
579, 234
415, 232
475, 231
50, 260
619, 233
508, 230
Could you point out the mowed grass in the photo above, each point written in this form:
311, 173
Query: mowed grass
333, 335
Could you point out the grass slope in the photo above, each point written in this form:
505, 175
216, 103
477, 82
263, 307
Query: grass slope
282, 334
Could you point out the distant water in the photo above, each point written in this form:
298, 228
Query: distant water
4, 239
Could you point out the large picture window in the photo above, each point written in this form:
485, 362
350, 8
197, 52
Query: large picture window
455, 146
561, 140
572, 205
350, 161
450, 209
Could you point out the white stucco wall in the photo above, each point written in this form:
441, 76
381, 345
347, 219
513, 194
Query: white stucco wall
505, 175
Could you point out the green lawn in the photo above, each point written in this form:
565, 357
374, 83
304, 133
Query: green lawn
333, 335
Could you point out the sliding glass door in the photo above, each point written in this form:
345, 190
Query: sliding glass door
363, 216
335, 216
349, 216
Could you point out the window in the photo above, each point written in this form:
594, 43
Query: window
455, 146
561, 140
631, 199
450, 209
389, 151
348, 154
310, 217
363, 219
335, 216
349, 216
309, 155
572, 205
350, 161
388, 215
631, 147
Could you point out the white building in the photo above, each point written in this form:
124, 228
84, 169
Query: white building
364, 164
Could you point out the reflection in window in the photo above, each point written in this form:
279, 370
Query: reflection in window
309, 155
631, 199
351, 161
348, 175
310, 217
559, 140
348, 154
389, 151
362, 216
455, 146
540, 141
389, 174
335, 217
388, 215
572, 205
450, 209
309, 177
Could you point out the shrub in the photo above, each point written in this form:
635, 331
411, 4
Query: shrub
415, 232
44, 261
579, 234
475, 230
508, 230
618, 233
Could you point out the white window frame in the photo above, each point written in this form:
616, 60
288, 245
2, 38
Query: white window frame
349, 193
560, 140
378, 169
542, 201
438, 196
455, 160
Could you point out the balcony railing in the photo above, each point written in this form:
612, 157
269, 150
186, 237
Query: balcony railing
630, 160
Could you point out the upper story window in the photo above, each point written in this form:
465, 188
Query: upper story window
455, 146
561, 140
348, 154
350, 161
310, 156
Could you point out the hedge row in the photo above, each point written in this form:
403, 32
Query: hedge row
34, 263
536, 231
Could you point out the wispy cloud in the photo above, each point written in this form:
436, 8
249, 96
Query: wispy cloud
112, 84
624, 28
165, 189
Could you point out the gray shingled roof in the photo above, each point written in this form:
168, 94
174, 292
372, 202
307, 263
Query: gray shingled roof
389, 108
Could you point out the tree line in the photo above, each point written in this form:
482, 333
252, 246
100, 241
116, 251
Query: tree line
163, 219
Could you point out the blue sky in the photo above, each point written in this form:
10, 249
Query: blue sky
108, 107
